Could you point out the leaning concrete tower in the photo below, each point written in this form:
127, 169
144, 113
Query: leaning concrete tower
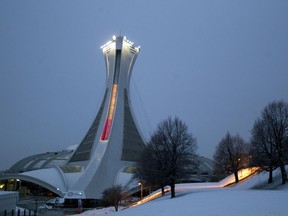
114, 141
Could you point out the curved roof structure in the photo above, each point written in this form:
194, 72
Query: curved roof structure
41, 161
51, 179
58, 159
45, 170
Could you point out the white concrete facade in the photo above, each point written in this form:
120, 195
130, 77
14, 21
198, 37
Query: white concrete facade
113, 141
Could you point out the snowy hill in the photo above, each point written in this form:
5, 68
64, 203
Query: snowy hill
211, 199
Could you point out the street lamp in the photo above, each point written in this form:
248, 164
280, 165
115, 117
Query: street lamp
80, 204
141, 189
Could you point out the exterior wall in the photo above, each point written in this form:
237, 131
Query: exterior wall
8, 202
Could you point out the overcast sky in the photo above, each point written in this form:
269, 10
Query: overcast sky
214, 64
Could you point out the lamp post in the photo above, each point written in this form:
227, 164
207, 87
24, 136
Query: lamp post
80, 204
141, 190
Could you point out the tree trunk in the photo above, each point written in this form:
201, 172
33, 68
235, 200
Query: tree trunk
162, 189
172, 185
283, 173
116, 207
282, 164
236, 177
270, 180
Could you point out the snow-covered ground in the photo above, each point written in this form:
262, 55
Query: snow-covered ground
211, 199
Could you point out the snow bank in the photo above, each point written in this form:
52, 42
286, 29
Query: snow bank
210, 199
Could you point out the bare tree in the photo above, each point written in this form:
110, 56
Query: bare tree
231, 155
270, 138
150, 167
113, 196
262, 149
172, 150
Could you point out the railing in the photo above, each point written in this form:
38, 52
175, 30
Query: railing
18, 212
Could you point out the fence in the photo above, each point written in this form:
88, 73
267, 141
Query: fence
18, 212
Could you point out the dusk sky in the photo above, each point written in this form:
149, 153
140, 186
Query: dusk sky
214, 64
